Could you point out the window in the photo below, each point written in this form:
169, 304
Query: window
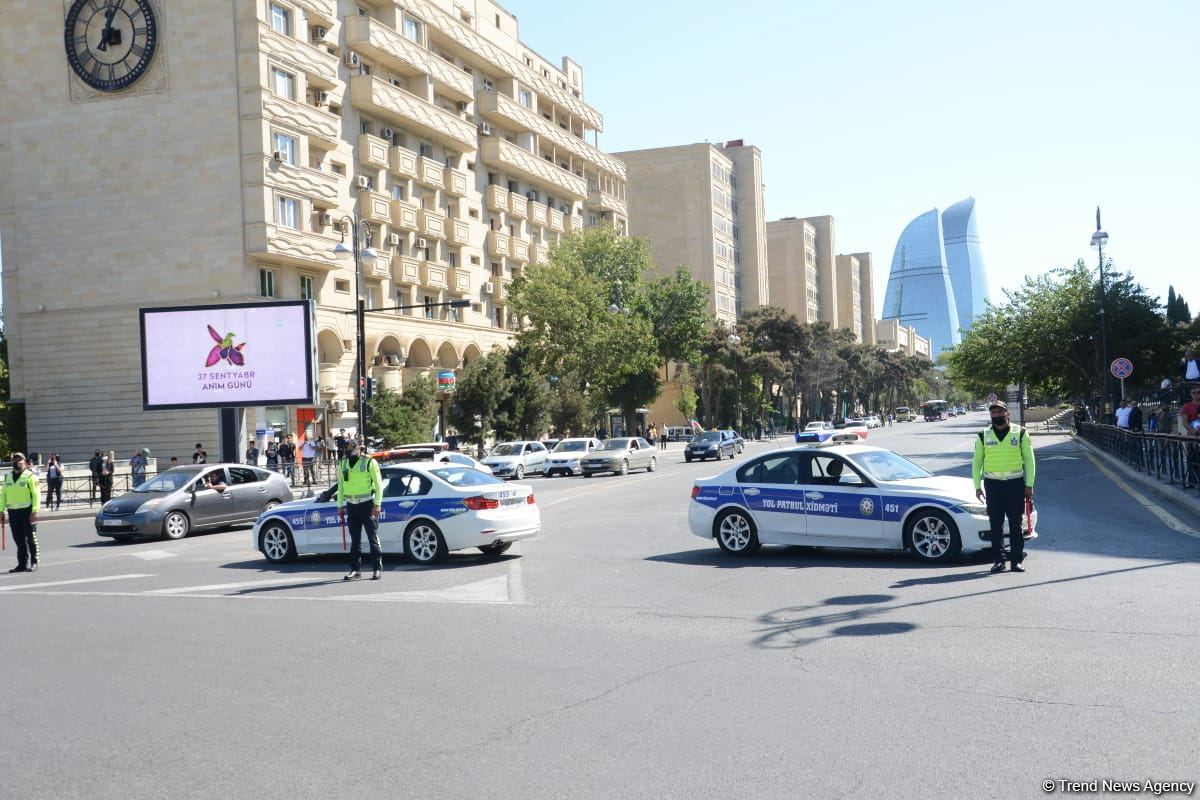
496, 318
266, 283
412, 29
283, 83
525, 98
406, 483
288, 148
306, 288
287, 211
372, 300
453, 259
428, 307
281, 19
771, 469
342, 285
243, 475
830, 471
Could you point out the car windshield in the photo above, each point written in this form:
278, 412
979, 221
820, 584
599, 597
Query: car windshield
709, 436
506, 449
169, 481
464, 476
814, 426
579, 446
883, 465
617, 444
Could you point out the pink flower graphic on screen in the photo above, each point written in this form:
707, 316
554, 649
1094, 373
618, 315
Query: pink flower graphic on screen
224, 349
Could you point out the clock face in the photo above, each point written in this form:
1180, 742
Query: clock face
110, 43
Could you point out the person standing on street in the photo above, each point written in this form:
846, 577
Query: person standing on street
1004, 460
272, 456
1123, 415
19, 502
252, 453
94, 469
308, 454
54, 482
198, 455
106, 478
1189, 414
137, 468
287, 457
1135, 417
359, 498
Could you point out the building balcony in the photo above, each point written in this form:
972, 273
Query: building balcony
403, 163
457, 183
393, 104
430, 173
408, 271
405, 216
575, 223
508, 113
496, 198
518, 249
324, 189
537, 213
498, 244
538, 253
324, 10
603, 201
433, 274
518, 205
404, 57
375, 207
501, 289
373, 150
555, 219
274, 244
319, 65
320, 125
328, 378
459, 280
433, 224
458, 231
550, 177
380, 266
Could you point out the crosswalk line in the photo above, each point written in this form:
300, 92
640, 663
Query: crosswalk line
489, 590
19, 587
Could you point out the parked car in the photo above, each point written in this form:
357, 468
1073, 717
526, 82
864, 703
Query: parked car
710, 444
428, 510
568, 453
517, 459
195, 497
819, 425
619, 456
679, 433
874, 421
456, 457
550, 444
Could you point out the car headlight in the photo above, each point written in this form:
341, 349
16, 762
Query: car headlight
148, 506
974, 508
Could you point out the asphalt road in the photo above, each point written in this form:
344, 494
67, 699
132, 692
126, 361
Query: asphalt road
617, 656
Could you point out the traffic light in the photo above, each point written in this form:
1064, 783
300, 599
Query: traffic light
371, 386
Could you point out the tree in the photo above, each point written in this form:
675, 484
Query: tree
524, 411
400, 418
478, 395
678, 309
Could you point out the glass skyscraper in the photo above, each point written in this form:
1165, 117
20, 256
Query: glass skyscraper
937, 283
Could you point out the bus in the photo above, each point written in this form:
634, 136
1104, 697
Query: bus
904, 414
934, 410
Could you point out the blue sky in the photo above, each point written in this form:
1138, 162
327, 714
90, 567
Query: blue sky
877, 111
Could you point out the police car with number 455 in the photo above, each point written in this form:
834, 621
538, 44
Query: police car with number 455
839, 494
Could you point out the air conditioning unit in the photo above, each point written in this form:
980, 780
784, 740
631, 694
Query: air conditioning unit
351, 59
422, 244
322, 98
488, 86
326, 220
277, 157
364, 182
489, 287
339, 406
388, 133
462, 105
319, 34
485, 129
394, 239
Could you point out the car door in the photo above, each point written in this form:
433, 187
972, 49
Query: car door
208, 507
535, 460
770, 487
645, 453
249, 493
840, 503
402, 494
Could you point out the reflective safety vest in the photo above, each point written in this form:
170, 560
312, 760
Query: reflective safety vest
20, 492
359, 483
1003, 459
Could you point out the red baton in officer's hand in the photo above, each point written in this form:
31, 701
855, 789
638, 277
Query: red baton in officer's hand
4, 536
343, 534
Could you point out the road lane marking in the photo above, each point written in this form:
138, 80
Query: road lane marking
516, 585
489, 590
153, 555
216, 587
20, 587
1164, 516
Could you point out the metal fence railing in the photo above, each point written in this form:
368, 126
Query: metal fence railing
1172, 459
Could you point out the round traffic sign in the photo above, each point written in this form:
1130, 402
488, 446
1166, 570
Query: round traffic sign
1121, 368
992, 397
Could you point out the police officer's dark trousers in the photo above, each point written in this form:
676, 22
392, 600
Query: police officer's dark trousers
1006, 499
22, 528
358, 516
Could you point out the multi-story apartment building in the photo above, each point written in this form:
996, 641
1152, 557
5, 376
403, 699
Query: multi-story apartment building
855, 298
223, 159
701, 206
890, 334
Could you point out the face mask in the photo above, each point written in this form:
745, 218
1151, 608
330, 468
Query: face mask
999, 422
18, 469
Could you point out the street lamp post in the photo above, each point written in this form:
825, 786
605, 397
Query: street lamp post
367, 254
735, 340
1099, 239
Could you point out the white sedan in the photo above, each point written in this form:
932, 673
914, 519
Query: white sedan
428, 511
839, 495
456, 457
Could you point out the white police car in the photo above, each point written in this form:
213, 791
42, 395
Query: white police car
428, 511
839, 494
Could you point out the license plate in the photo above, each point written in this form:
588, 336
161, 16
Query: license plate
112, 523
510, 502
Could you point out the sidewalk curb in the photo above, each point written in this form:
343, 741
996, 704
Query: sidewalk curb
1165, 491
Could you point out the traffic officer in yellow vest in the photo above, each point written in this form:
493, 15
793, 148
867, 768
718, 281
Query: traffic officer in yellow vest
359, 497
19, 502
1004, 461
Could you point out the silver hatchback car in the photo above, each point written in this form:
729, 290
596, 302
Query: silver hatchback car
619, 456
184, 499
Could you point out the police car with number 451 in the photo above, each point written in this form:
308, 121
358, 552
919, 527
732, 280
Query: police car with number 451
839, 494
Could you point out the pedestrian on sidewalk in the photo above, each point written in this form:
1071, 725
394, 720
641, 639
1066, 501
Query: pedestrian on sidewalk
252, 453
54, 482
308, 456
1123, 415
1135, 417
105, 478
94, 469
287, 457
272, 456
198, 455
19, 505
137, 468
1004, 460
1189, 415
359, 498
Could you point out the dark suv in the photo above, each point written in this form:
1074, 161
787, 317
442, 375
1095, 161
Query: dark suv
711, 444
